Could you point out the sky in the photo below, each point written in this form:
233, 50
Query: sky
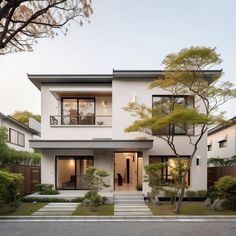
123, 34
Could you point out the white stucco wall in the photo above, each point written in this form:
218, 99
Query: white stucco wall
230, 149
28, 135
51, 105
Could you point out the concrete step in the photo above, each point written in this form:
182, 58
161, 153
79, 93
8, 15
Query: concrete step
121, 193
57, 210
129, 202
133, 213
129, 197
132, 210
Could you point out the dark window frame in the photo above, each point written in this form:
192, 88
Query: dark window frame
77, 102
164, 159
209, 147
75, 158
170, 128
222, 143
17, 142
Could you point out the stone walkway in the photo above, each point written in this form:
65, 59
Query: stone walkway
130, 204
57, 209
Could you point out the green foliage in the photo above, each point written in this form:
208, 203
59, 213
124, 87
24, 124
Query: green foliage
9, 187
23, 116
44, 199
154, 179
226, 187
46, 189
220, 161
191, 194
11, 156
202, 194
95, 179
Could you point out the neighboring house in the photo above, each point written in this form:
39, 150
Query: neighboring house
83, 124
19, 134
222, 140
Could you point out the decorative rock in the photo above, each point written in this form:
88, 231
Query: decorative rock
217, 204
207, 202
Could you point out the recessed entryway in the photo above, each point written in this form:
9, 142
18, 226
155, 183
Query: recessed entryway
128, 174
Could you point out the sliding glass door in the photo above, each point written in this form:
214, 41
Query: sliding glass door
71, 171
78, 111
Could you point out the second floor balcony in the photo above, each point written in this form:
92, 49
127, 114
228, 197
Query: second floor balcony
79, 120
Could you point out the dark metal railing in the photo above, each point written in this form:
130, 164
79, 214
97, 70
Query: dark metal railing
102, 120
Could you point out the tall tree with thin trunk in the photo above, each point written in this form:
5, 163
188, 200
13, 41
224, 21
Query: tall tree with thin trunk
22, 22
186, 74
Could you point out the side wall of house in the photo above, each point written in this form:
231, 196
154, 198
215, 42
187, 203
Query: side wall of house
230, 135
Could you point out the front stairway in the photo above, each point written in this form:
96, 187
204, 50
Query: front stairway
130, 204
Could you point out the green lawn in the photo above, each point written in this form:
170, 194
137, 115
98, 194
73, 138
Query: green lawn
25, 209
187, 208
104, 210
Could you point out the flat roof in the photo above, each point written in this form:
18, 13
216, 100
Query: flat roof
38, 79
118, 145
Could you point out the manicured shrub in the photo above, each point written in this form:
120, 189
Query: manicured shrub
226, 189
42, 199
191, 194
9, 187
201, 194
46, 189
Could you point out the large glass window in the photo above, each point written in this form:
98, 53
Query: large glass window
167, 103
171, 166
71, 172
16, 137
78, 111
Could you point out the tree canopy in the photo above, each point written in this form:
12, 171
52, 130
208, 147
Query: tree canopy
186, 73
23, 116
22, 22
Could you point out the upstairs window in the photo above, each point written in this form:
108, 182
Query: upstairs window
78, 111
170, 101
222, 143
16, 138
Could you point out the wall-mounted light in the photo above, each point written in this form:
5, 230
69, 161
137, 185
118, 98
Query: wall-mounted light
134, 97
105, 104
197, 161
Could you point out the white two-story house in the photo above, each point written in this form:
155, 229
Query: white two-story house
83, 124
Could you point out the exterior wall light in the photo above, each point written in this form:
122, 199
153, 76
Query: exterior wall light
105, 104
197, 161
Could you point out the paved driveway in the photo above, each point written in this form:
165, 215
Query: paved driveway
119, 229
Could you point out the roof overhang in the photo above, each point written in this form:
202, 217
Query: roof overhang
38, 79
119, 145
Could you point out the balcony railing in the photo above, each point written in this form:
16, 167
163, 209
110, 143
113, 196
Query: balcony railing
103, 120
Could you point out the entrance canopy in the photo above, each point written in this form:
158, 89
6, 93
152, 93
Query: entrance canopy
120, 145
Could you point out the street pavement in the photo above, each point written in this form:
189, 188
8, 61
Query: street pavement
117, 228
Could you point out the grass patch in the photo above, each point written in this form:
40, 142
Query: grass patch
103, 210
25, 209
187, 208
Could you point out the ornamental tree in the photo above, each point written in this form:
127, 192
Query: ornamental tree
186, 73
22, 22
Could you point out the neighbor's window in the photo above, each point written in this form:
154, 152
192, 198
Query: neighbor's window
16, 137
222, 143
171, 164
209, 147
169, 102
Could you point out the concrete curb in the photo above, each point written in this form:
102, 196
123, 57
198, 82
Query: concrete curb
182, 218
